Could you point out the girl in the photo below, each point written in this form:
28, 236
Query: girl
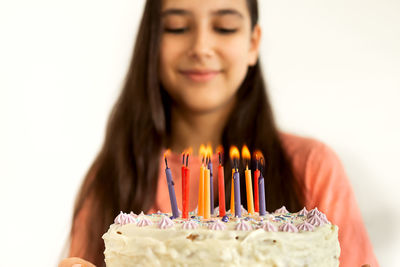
194, 79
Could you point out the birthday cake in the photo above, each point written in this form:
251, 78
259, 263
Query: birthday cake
304, 238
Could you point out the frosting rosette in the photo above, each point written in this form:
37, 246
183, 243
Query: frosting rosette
303, 212
282, 210
313, 212
217, 225
288, 227
243, 226
322, 216
189, 225
269, 227
305, 227
143, 221
315, 220
165, 223
124, 218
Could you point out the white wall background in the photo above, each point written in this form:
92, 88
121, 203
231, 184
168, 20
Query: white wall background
333, 68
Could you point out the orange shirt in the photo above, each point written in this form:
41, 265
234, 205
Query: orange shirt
326, 184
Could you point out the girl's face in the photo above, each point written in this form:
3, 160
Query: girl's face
206, 48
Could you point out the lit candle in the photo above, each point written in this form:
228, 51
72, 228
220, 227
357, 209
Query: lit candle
249, 189
261, 190
232, 194
207, 199
210, 167
236, 180
183, 184
234, 153
185, 192
221, 187
200, 207
172, 197
200, 204
256, 175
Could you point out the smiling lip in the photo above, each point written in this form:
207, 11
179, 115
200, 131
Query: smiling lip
200, 75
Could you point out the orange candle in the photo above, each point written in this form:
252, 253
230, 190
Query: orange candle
207, 212
249, 189
200, 205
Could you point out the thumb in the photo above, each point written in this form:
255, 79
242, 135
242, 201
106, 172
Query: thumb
75, 262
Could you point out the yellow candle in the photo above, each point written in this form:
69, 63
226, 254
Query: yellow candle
200, 205
233, 195
207, 194
249, 191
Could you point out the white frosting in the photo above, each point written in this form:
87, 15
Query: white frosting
131, 245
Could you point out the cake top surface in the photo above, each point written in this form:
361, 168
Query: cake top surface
279, 221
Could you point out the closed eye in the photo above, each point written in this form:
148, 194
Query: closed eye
176, 30
225, 30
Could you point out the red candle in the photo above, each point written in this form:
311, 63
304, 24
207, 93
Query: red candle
186, 199
221, 188
183, 185
185, 188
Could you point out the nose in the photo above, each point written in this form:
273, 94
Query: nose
201, 43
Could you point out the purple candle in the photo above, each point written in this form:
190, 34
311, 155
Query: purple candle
171, 189
236, 181
210, 167
261, 195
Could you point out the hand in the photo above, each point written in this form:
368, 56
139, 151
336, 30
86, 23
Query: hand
75, 262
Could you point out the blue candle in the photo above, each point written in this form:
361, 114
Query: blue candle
171, 189
236, 181
210, 167
261, 195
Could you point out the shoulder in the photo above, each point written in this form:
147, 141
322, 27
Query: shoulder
314, 164
306, 152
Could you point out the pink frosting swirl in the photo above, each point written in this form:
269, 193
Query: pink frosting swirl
143, 221
322, 216
305, 227
165, 223
313, 212
217, 225
124, 218
243, 226
133, 214
288, 227
315, 220
282, 210
269, 227
303, 212
189, 225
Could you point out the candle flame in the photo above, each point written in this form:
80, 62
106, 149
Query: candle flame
209, 150
246, 153
202, 151
220, 149
166, 153
234, 153
258, 155
189, 151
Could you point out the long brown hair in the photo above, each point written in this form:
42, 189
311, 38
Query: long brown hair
123, 176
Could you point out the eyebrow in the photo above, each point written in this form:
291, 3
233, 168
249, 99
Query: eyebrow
220, 12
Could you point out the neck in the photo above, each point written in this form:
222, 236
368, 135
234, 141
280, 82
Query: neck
192, 129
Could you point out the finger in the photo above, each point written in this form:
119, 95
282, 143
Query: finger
75, 262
